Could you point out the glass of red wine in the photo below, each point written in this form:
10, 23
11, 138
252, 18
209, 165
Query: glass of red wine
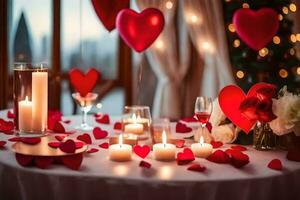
203, 109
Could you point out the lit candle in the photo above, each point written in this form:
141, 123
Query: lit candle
134, 127
39, 101
120, 152
201, 149
25, 115
164, 151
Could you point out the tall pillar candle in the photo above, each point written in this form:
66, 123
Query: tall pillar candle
39, 100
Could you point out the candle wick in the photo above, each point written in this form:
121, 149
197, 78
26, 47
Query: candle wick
164, 145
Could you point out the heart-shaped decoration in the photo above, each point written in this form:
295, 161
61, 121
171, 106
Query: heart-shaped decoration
104, 145
92, 150
140, 30
53, 117
107, 11
84, 83
60, 137
2, 144
230, 98
99, 133
256, 28
103, 119
275, 164
237, 158
182, 128
141, 151
43, 162
216, 144
6, 126
32, 141
145, 164
24, 160
72, 161
10, 114
219, 156
179, 143
54, 144
196, 168
185, 157
15, 139
58, 128
118, 126
85, 138
68, 146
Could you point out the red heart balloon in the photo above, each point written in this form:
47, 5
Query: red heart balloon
256, 28
230, 98
185, 157
107, 11
141, 151
99, 133
85, 138
84, 83
140, 30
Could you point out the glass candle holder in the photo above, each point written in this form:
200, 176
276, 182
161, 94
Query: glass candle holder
136, 122
157, 127
30, 99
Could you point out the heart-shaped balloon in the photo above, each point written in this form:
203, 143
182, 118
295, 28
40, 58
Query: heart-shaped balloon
230, 99
84, 83
107, 11
140, 30
256, 28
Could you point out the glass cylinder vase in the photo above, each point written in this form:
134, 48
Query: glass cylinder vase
30, 99
264, 138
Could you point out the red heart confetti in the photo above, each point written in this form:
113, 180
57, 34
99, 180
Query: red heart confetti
67, 121
237, 158
53, 117
118, 126
10, 114
216, 144
275, 164
185, 157
14, 139
60, 137
239, 148
54, 144
68, 146
104, 145
72, 161
99, 133
145, 164
219, 156
92, 150
79, 145
58, 128
103, 119
180, 143
196, 168
2, 144
6, 127
182, 128
32, 141
141, 151
85, 138
24, 160
43, 162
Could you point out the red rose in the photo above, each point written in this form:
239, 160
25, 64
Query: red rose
248, 108
264, 111
267, 92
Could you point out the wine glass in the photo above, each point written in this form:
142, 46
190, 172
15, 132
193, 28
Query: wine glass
203, 109
85, 103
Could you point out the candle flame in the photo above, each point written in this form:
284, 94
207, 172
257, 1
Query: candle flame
134, 118
120, 140
26, 99
201, 141
164, 138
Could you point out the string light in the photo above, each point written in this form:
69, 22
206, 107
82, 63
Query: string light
169, 5
236, 43
193, 18
280, 17
206, 46
276, 39
293, 7
245, 5
240, 74
293, 38
298, 70
231, 28
159, 44
283, 73
292, 51
285, 10
263, 52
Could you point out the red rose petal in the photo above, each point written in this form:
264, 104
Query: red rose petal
72, 161
145, 164
216, 144
58, 128
237, 158
23, 160
103, 119
182, 128
85, 138
14, 139
79, 145
118, 126
2, 144
43, 162
67, 121
10, 114
104, 145
6, 126
238, 148
32, 141
179, 143
99, 133
53, 117
275, 164
185, 157
196, 168
54, 144
68, 146
92, 150
219, 156
60, 137
141, 151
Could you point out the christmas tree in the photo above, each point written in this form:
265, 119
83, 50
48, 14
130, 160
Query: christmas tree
275, 63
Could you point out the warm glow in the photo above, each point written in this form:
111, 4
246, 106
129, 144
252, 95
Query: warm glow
26, 100
134, 118
206, 46
236, 43
159, 44
280, 17
120, 140
99, 105
298, 70
283, 73
293, 7
201, 140
263, 52
292, 51
298, 36
194, 19
276, 40
164, 137
121, 170
285, 10
245, 5
293, 38
169, 5
231, 28
165, 172
240, 74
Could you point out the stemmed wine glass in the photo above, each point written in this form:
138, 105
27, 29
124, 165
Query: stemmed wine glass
85, 103
203, 110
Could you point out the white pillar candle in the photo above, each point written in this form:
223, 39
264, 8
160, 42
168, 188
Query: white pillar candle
39, 101
25, 115
120, 152
201, 149
164, 151
134, 127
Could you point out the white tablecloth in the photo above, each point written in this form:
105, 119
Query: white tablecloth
99, 178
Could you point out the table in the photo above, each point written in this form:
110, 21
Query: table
100, 178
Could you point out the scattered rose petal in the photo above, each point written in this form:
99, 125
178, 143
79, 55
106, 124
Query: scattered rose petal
145, 164
53, 117
179, 143
72, 161
104, 145
103, 119
237, 158
275, 164
32, 140
118, 126
216, 144
99, 133
58, 128
60, 137
67, 121
141, 151
92, 150
10, 114
185, 157
23, 160
43, 162
182, 128
196, 168
219, 156
2, 144
54, 144
79, 145
85, 138
68, 146
14, 139
6, 126
239, 148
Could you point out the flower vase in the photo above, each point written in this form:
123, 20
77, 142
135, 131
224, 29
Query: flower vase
264, 138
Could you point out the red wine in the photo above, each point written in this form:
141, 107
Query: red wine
203, 117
